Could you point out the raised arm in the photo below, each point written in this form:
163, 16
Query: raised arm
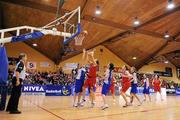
84, 57
91, 58
153, 82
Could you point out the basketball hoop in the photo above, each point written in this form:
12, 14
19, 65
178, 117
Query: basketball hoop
79, 39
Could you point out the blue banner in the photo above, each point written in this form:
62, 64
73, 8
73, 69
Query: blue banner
49, 90
177, 91
27, 36
57, 90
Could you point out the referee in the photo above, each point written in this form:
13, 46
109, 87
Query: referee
18, 77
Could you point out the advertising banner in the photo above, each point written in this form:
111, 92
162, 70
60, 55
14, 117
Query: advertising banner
48, 90
33, 88
177, 91
57, 90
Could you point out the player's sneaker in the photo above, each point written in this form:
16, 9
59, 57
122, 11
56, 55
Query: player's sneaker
83, 100
127, 104
75, 105
140, 104
80, 104
105, 107
92, 105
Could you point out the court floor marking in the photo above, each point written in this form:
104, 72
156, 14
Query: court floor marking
46, 110
91, 117
50, 112
150, 110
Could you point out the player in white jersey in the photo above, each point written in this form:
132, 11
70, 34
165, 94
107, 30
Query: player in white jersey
78, 85
134, 85
107, 83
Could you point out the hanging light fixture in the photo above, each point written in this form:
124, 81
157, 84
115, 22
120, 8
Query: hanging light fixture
134, 58
34, 44
98, 10
166, 62
136, 21
170, 5
166, 35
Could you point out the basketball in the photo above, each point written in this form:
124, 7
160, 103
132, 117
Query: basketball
85, 32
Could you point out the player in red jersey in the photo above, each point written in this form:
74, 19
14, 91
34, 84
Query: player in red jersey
112, 88
126, 84
91, 75
157, 85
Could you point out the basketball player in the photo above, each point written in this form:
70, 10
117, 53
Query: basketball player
146, 90
18, 77
82, 72
157, 85
134, 85
91, 76
79, 84
112, 88
126, 84
107, 84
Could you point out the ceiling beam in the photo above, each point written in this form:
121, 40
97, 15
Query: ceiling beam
52, 9
106, 22
150, 57
121, 26
117, 37
166, 13
33, 5
1, 17
60, 4
178, 40
170, 60
84, 7
176, 35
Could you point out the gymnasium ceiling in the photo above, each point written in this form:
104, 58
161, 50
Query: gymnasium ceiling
113, 28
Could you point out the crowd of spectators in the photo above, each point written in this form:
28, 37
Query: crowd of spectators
61, 78
44, 78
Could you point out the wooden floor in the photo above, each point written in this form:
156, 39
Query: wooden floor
60, 108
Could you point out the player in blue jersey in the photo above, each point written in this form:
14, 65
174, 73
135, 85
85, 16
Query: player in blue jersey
107, 83
134, 85
79, 82
78, 85
146, 90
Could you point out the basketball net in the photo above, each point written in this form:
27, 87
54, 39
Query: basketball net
79, 39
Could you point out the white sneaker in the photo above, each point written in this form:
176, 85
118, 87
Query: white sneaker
75, 105
140, 104
83, 101
80, 104
105, 107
